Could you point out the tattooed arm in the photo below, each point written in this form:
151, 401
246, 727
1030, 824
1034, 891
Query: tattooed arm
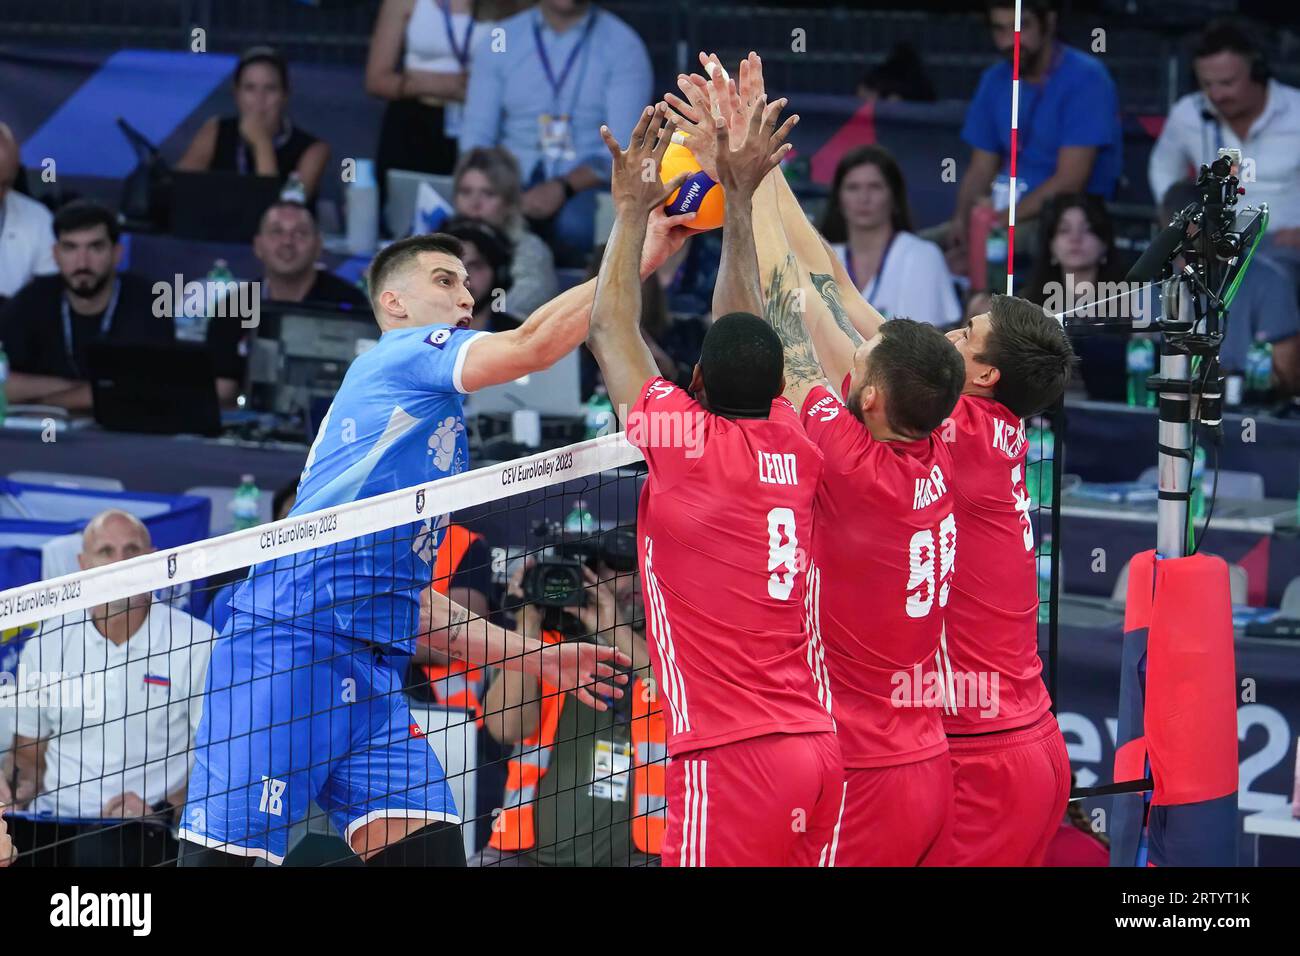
785, 300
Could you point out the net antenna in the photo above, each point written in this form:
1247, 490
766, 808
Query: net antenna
1015, 130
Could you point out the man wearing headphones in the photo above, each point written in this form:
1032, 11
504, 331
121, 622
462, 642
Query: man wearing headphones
1238, 105
487, 259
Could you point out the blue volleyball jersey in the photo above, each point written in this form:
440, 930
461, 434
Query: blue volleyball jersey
397, 421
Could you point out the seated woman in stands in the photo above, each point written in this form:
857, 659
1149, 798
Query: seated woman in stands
261, 139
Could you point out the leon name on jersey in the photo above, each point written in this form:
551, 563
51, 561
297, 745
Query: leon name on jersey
777, 468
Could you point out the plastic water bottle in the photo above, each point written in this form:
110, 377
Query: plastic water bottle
1259, 372
599, 413
1141, 362
244, 505
194, 328
4, 379
1045, 578
1198, 483
363, 210
294, 190
1040, 449
579, 520
995, 258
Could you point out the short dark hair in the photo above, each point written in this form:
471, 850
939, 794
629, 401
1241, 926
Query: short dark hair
742, 363
920, 372
287, 204
493, 245
263, 54
85, 214
1226, 35
400, 254
1031, 351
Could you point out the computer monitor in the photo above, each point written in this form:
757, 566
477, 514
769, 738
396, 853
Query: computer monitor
221, 206
157, 389
300, 354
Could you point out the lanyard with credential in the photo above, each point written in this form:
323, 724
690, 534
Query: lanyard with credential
870, 294
105, 324
557, 85
459, 50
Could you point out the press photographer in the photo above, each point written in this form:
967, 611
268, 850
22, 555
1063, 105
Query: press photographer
584, 787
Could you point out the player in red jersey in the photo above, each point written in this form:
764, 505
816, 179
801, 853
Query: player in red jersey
1011, 774
883, 553
755, 776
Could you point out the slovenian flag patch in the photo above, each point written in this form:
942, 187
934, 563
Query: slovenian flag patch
157, 680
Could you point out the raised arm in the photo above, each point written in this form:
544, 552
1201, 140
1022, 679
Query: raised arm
742, 163
555, 329
614, 336
585, 669
852, 315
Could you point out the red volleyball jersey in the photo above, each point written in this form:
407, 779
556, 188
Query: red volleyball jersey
724, 523
883, 559
990, 651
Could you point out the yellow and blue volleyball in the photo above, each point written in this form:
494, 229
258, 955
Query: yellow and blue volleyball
699, 194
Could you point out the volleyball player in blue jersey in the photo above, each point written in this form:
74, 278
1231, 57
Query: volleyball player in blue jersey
303, 695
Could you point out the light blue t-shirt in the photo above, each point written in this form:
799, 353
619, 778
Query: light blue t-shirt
1075, 105
397, 421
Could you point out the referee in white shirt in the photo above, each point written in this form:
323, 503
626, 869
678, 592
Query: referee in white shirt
108, 735
1238, 105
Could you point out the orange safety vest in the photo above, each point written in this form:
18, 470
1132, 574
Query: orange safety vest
453, 685
515, 826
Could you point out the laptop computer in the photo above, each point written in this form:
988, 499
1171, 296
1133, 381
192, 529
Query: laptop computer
221, 206
553, 391
157, 389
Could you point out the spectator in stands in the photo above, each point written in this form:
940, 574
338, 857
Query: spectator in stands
1265, 309
674, 340
1075, 269
288, 244
901, 76
1069, 125
487, 187
487, 260
564, 68
869, 225
420, 58
594, 798
261, 140
1238, 105
114, 739
49, 326
26, 233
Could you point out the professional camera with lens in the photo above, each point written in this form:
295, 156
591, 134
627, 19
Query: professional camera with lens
557, 580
